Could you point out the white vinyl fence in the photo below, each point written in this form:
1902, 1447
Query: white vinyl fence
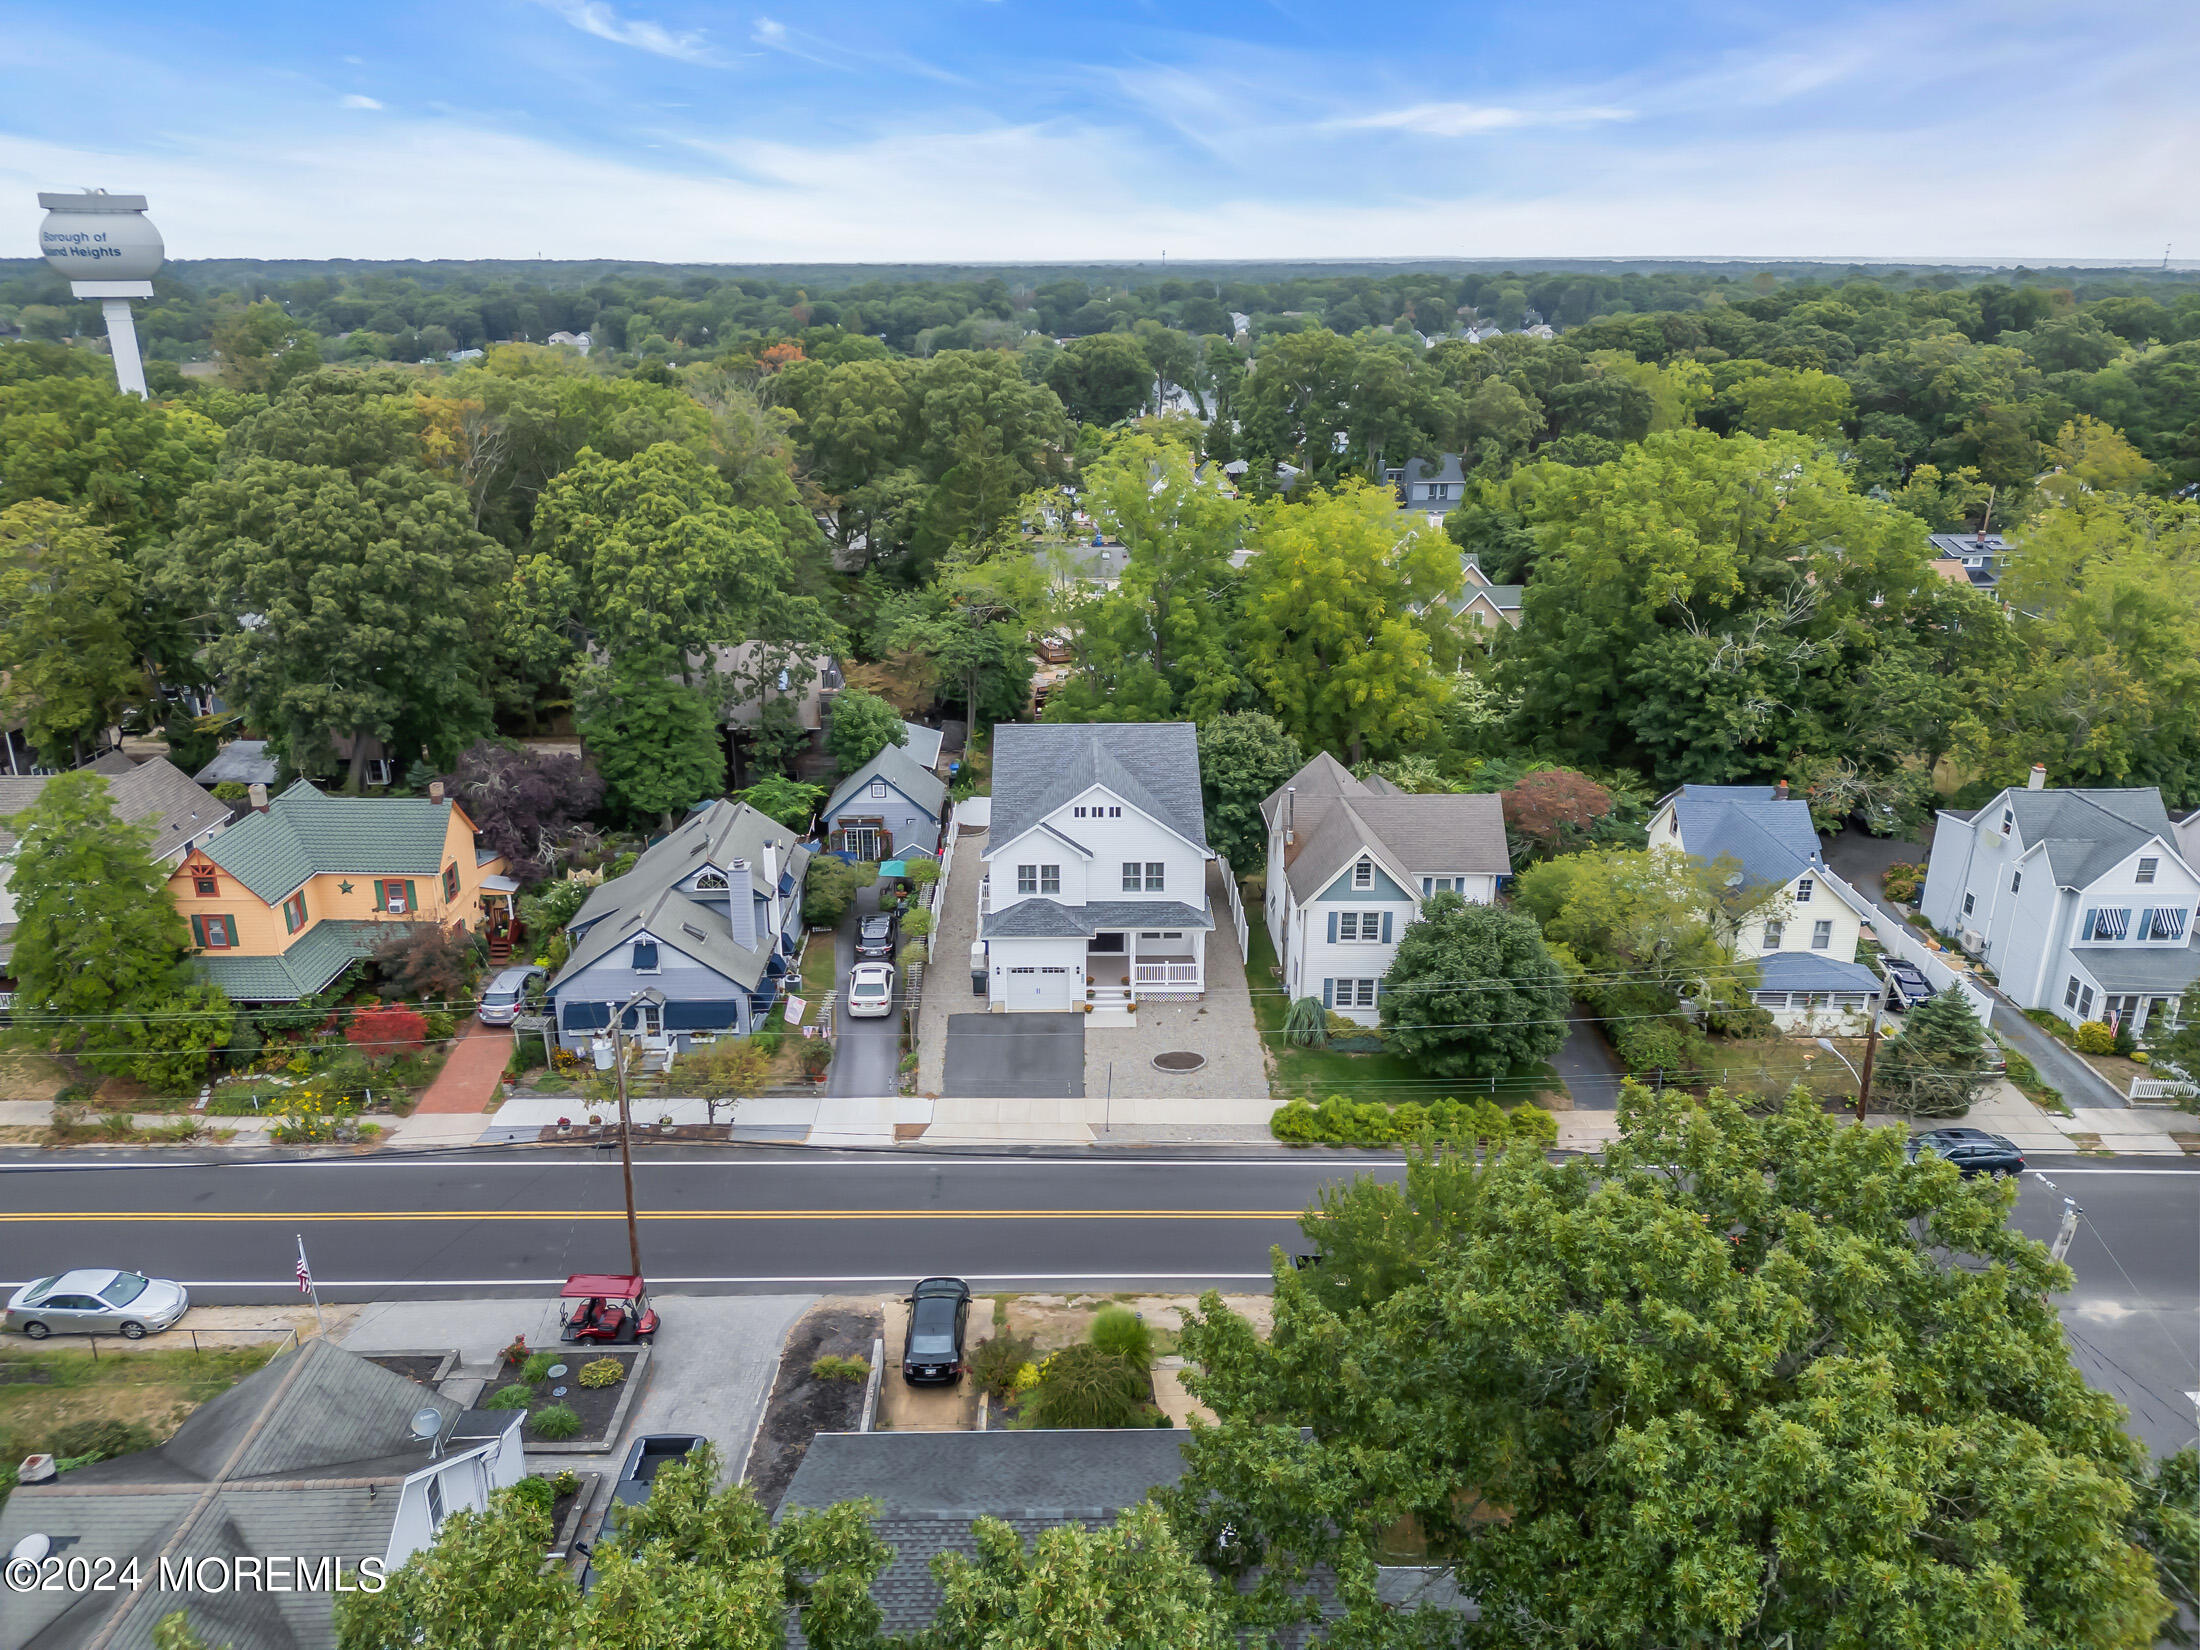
1900, 941
1237, 914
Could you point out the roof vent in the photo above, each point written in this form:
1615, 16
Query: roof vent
690, 928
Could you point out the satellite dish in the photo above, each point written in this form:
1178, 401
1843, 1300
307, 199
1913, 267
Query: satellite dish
30, 1549
426, 1423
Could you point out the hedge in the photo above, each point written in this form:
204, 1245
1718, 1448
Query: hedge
1338, 1121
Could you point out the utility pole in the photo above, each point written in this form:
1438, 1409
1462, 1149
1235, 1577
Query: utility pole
626, 1151
1871, 1051
2066, 1232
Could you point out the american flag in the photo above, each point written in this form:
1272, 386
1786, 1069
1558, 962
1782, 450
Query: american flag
305, 1272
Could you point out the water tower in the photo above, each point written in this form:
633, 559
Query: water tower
109, 251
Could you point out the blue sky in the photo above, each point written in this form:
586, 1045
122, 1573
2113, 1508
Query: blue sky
1076, 129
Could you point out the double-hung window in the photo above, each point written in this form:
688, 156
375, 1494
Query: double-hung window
2107, 925
294, 912
396, 895
450, 880
1360, 927
1144, 876
1363, 875
1804, 889
1821, 934
2166, 922
2147, 868
1774, 932
1356, 993
1133, 876
215, 933
1038, 879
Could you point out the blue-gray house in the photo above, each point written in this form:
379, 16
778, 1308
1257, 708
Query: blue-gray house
711, 916
886, 807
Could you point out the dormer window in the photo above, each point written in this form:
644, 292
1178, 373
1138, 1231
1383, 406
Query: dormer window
2147, 868
1363, 874
711, 882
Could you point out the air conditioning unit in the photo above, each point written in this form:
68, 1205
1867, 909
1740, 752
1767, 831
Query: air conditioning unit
1972, 941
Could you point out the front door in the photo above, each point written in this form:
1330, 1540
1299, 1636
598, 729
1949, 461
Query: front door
649, 1025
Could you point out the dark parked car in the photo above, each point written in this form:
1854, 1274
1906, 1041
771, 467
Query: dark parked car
1907, 985
1972, 1151
651, 1454
932, 1354
875, 937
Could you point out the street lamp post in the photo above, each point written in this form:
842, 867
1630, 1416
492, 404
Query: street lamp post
656, 998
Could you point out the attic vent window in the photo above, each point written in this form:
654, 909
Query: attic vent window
692, 931
1363, 874
710, 882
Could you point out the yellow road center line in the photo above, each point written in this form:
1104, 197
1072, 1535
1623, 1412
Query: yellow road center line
163, 1217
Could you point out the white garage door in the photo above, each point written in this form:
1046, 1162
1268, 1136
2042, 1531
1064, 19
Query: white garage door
1039, 988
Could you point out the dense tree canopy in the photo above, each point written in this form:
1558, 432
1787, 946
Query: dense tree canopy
1473, 991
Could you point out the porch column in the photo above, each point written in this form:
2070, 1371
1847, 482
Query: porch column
1199, 955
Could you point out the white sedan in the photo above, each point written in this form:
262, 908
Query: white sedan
871, 990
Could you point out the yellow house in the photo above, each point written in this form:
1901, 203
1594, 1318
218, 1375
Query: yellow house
281, 902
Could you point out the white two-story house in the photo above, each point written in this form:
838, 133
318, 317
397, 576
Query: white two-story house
1803, 934
1350, 862
2080, 901
1095, 887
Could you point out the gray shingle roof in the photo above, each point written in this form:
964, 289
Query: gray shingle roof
1337, 818
1031, 919
2164, 969
686, 925
306, 833
1769, 835
1153, 766
2086, 832
240, 762
899, 769
156, 793
1811, 971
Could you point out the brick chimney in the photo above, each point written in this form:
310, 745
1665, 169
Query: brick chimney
2038, 780
258, 794
435, 792
1290, 813
1780, 791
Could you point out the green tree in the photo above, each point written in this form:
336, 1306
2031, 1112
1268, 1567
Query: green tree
1701, 1392
1242, 758
67, 667
654, 739
1473, 992
1101, 379
828, 889
1807, 402
1937, 1067
789, 801
862, 725
1127, 1586
263, 349
168, 1045
97, 932
121, 463
1342, 625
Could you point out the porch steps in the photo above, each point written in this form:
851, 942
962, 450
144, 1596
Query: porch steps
1115, 1015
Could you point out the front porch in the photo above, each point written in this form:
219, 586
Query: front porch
1126, 965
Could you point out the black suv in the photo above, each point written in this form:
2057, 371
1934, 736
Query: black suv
875, 938
932, 1354
1972, 1151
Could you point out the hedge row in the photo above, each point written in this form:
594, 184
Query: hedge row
1338, 1121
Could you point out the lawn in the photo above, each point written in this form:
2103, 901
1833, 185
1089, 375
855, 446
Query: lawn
1315, 1073
46, 1388
1772, 1065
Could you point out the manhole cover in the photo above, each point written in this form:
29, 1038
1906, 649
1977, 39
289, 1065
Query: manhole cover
1181, 1060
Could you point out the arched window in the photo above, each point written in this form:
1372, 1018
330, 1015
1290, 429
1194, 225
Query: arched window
710, 882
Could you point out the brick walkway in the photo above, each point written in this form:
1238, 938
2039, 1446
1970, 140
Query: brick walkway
469, 1076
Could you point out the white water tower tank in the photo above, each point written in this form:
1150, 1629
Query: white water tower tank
99, 237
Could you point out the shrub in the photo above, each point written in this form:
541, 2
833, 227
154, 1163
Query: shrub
536, 1491
1338, 1121
1669, 1044
516, 1353
564, 1483
817, 1054
537, 1367
516, 1396
1901, 882
832, 1367
917, 924
994, 1363
102, 1440
1530, 1122
2095, 1038
828, 887
1119, 1330
556, 1422
387, 1032
602, 1372
1087, 1386
1306, 1023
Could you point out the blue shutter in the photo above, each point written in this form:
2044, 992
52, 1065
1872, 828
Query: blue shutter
1329, 987
1332, 928
2086, 932
1386, 927
2146, 920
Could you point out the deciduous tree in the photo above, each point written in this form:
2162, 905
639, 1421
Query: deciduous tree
529, 806
654, 739
68, 669
1473, 991
862, 725
1242, 758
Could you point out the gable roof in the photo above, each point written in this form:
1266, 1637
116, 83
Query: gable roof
1813, 971
316, 957
241, 762
157, 793
899, 769
673, 919
2086, 832
1339, 817
1769, 834
306, 833
923, 743
1041, 766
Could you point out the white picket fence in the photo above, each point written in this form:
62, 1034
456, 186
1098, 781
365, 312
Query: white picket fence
939, 893
1898, 940
2160, 1091
1237, 913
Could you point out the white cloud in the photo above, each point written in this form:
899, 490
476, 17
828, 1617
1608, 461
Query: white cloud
604, 22
769, 33
354, 100
1452, 120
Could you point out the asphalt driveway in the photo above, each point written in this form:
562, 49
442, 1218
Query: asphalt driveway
1587, 1066
1015, 1057
866, 1053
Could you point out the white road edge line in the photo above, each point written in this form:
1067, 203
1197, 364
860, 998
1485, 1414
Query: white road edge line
663, 1283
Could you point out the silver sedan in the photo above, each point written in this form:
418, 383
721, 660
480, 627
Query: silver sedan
95, 1302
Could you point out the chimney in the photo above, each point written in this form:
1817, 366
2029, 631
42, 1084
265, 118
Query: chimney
435, 792
1290, 813
258, 793
2038, 781
1780, 791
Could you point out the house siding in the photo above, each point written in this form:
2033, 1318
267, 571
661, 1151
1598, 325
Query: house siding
613, 979
910, 825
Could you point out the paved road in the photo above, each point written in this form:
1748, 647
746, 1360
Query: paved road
1861, 859
1587, 1066
778, 1223
866, 1053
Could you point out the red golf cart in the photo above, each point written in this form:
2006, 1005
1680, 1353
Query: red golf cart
610, 1311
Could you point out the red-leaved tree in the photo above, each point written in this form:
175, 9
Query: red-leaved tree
386, 1031
529, 806
1551, 810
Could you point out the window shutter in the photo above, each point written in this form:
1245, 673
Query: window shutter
2086, 932
2146, 921
1332, 928
378, 905
1329, 987
1386, 927
412, 899
198, 932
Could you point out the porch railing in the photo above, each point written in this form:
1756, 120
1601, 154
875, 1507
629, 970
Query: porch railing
1165, 973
